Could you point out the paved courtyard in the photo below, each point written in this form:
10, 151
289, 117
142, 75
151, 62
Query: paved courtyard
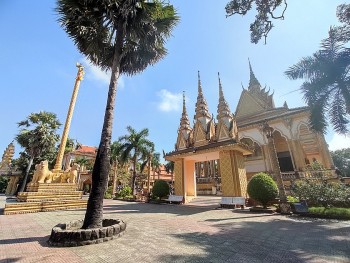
180, 233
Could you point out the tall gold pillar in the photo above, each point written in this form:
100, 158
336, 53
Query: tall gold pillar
80, 74
233, 174
179, 177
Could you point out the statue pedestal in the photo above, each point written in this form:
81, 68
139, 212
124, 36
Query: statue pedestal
41, 197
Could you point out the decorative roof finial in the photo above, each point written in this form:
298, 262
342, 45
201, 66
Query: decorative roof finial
253, 80
221, 94
223, 108
199, 84
184, 122
201, 104
183, 102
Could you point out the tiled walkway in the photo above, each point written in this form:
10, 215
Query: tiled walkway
180, 233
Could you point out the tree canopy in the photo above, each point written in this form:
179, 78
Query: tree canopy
267, 10
326, 86
341, 159
38, 136
124, 36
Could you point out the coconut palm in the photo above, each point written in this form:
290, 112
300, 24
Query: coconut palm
327, 83
136, 145
116, 162
124, 36
38, 137
155, 164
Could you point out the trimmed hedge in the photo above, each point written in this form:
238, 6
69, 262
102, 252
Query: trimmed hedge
331, 213
262, 188
160, 189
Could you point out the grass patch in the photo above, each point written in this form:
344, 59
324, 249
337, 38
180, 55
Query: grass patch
332, 213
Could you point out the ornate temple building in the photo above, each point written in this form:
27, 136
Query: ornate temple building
219, 155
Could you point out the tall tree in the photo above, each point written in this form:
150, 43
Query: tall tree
266, 9
326, 87
137, 146
155, 163
124, 36
116, 162
341, 159
38, 136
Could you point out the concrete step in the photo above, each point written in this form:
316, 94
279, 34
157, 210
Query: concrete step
33, 207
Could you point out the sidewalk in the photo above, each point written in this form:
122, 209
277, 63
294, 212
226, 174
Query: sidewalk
180, 233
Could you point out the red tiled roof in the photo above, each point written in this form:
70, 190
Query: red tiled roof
84, 149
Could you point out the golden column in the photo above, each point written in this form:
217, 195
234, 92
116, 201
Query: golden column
79, 78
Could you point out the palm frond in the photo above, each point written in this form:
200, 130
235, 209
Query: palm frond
338, 114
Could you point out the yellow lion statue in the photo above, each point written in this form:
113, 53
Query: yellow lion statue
70, 175
42, 174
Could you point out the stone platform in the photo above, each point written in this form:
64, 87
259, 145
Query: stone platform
42, 197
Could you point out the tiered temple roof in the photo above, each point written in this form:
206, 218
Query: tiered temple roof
255, 105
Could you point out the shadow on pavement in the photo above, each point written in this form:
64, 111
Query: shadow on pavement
41, 240
272, 241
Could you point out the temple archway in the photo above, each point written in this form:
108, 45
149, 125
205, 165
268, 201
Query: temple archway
283, 152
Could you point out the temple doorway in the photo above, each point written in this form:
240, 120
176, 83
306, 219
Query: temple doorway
283, 153
208, 178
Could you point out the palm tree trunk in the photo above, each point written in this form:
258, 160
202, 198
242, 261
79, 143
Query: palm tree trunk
94, 210
114, 178
134, 175
23, 185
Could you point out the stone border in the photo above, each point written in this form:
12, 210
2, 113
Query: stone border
71, 235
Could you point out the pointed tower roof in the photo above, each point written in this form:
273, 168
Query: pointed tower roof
223, 107
184, 122
201, 104
253, 81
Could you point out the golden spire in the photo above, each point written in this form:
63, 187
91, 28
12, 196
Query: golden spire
223, 107
184, 122
253, 82
7, 156
201, 104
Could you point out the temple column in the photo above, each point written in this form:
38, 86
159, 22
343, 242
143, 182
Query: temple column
179, 177
233, 174
190, 178
58, 165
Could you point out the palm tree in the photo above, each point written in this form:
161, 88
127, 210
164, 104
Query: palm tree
116, 160
83, 162
38, 137
155, 163
327, 83
124, 36
169, 168
137, 146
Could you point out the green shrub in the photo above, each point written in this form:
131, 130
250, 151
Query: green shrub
160, 189
262, 188
126, 192
292, 199
322, 193
3, 183
108, 194
332, 213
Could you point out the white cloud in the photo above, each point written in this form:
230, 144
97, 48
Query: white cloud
169, 101
96, 74
339, 142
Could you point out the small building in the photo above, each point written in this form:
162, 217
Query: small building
81, 152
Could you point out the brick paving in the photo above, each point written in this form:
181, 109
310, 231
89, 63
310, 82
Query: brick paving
180, 233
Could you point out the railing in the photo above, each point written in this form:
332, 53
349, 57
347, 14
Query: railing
318, 174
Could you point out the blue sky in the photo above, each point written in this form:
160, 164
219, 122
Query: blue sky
37, 65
